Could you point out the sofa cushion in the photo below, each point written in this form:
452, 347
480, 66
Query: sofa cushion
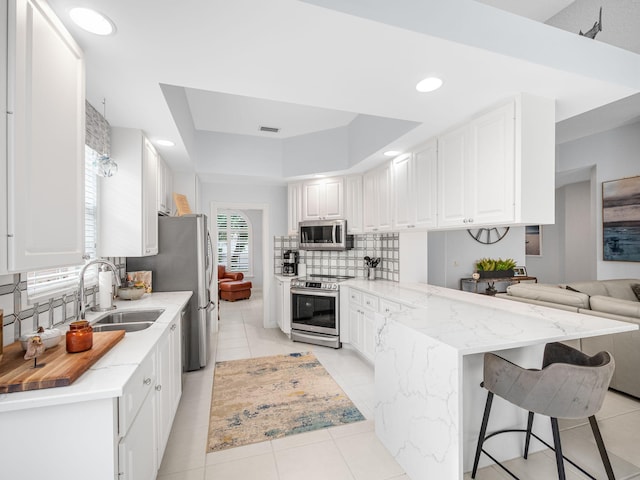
617, 306
621, 289
636, 290
549, 293
589, 288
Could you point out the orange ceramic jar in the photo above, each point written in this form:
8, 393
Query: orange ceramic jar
79, 336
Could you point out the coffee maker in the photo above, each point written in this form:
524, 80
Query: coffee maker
290, 263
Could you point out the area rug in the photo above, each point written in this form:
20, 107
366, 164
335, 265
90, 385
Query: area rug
264, 398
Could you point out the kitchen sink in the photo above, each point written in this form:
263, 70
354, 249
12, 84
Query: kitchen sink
127, 320
130, 316
127, 327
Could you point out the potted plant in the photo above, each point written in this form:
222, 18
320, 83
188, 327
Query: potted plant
492, 268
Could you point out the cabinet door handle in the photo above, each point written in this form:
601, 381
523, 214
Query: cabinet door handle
147, 381
173, 327
158, 388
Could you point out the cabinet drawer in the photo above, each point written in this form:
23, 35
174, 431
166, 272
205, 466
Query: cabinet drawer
355, 297
387, 306
135, 391
370, 301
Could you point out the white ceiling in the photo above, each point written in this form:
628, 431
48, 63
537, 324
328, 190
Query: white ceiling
304, 68
539, 10
221, 112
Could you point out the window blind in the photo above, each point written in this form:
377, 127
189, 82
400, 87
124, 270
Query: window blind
234, 242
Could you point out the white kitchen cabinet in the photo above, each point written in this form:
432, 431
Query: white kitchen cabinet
362, 309
137, 450
168, 387
499, 168
415, 187
377, 211
294, 194
323, 199
128, 200
42, 163
353, 204
283, 304
164, 188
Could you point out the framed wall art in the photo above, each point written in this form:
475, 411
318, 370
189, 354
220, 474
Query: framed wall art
533, 240
621, 220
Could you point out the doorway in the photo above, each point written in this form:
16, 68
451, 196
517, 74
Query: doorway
259, 213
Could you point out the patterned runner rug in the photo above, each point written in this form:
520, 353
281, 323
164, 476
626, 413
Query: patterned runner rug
259, 399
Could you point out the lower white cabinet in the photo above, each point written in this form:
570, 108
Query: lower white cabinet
283, 304
103, 438
148, 406
168, 387
362, 310
137, 450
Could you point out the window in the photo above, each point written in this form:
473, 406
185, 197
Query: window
234, 242
57, 281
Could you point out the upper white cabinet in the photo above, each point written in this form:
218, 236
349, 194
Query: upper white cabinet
415, 188
323, 199
164, 188
42, 166
353, 204
377, 211
294, 207
499, 168
128, 200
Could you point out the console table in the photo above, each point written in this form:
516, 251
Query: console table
500, 284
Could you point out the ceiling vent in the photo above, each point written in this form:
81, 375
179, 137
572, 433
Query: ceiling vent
269, 129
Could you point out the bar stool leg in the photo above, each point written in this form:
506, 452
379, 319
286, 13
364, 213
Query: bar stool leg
483, 432
603, 451
528, 439
556, 444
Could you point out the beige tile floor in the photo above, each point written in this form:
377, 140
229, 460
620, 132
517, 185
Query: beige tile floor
351, 452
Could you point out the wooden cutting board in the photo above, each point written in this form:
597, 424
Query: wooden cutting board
60, 368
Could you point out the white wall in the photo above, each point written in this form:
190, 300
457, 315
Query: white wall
255, 217
615, 154
452, 254
580, 235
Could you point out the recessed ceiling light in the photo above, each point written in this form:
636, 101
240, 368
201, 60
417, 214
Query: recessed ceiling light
391, 153
165, 143
92, 21
429, 84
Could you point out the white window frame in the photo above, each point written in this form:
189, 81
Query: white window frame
249, 271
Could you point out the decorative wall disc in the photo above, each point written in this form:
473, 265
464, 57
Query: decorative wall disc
488, 236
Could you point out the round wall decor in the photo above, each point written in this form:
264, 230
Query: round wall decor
488, 236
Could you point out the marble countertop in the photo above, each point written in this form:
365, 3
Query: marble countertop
472, 323
107, 377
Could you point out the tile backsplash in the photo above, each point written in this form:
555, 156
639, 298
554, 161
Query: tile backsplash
20, 316
349, 262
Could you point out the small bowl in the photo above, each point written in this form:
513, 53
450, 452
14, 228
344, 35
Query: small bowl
50, 338
130, 293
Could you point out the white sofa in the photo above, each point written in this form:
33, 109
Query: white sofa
604, 298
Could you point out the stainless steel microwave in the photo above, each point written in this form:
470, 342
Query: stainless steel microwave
324, 235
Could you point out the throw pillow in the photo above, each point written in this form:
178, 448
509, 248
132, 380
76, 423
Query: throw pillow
572, 289
636, 289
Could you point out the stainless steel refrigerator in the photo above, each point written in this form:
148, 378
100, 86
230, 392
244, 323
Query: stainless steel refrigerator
184, 262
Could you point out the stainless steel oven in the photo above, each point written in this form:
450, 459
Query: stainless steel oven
315, 311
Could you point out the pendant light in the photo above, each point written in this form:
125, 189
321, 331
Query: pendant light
105, 166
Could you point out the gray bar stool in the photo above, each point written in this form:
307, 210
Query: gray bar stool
570, 385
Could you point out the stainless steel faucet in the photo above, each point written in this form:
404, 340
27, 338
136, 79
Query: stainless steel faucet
80, 307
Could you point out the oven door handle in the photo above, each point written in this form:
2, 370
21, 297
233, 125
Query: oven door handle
315, 292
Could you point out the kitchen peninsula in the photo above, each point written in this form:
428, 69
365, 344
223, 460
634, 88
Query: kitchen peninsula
428, 368
115, 419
